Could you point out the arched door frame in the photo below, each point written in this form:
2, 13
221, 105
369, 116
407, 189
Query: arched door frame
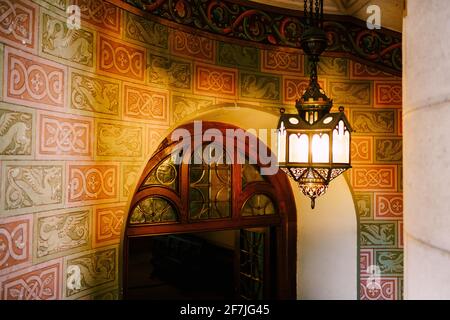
278, 184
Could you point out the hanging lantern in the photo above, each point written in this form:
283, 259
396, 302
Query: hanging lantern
314, 145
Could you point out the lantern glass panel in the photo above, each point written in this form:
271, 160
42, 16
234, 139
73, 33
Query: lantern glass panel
298, 148
282, 143
321, 148
341, 144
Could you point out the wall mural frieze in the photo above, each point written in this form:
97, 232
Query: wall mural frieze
251, 22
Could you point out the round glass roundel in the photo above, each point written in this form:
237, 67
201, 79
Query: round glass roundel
327, 120
293, 120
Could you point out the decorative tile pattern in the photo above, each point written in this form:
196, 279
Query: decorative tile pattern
18, 24
333, 67
232, 55
388, 94
400, 122
15, 243
378, 234
400, 234
59, 233
183, 106
215, 81
110, 294
32, 81
400, 178
40, 282
92, 183
64, 137
70, 46
155, 137
374, 178
359, 71
16, 132
388, 150
379, 122
363, 205
60, 4
108, 222
260, 86
357, 93
89, 270
145, 32
32, 186
170, 72
146, 104
100, 14
130, 174
388, 206
277, 61
118, 141
390, 261
189, 45
120, 60
365, 261
295, 87
386, 289
93, 94
362, 150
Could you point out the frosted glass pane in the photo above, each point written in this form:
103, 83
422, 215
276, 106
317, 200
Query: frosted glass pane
298, 148
281, 144
320, 148
341, 144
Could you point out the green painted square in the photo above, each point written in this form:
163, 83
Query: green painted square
378, 234
167, 71
389, 150
259, 86
183, 106
364, 205
390, 261
331, 67
233, 55
145, 32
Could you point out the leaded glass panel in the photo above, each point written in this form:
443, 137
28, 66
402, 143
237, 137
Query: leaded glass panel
250, 173
258, 205
251, 274
165, 174
210, 186
153, 210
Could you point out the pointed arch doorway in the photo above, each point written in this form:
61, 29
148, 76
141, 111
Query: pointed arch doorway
173, 202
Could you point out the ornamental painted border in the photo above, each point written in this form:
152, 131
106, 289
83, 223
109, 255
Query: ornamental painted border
262, 24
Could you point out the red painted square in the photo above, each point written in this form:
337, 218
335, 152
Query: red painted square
15, 243
40, 282
215, 81
32, 81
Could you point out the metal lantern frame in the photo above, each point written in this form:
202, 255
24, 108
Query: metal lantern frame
314, 119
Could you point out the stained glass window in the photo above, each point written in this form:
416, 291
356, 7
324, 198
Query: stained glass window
258, 205
165, 174
153, 210
210, 185
251, 273
250, 173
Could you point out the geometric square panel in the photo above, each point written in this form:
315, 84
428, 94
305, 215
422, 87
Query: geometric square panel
15, 243
388, 206
108, 222
39, 282
378, 288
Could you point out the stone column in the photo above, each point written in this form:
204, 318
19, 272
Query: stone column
426, 119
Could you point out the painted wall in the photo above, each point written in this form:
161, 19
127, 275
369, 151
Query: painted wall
82, 110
